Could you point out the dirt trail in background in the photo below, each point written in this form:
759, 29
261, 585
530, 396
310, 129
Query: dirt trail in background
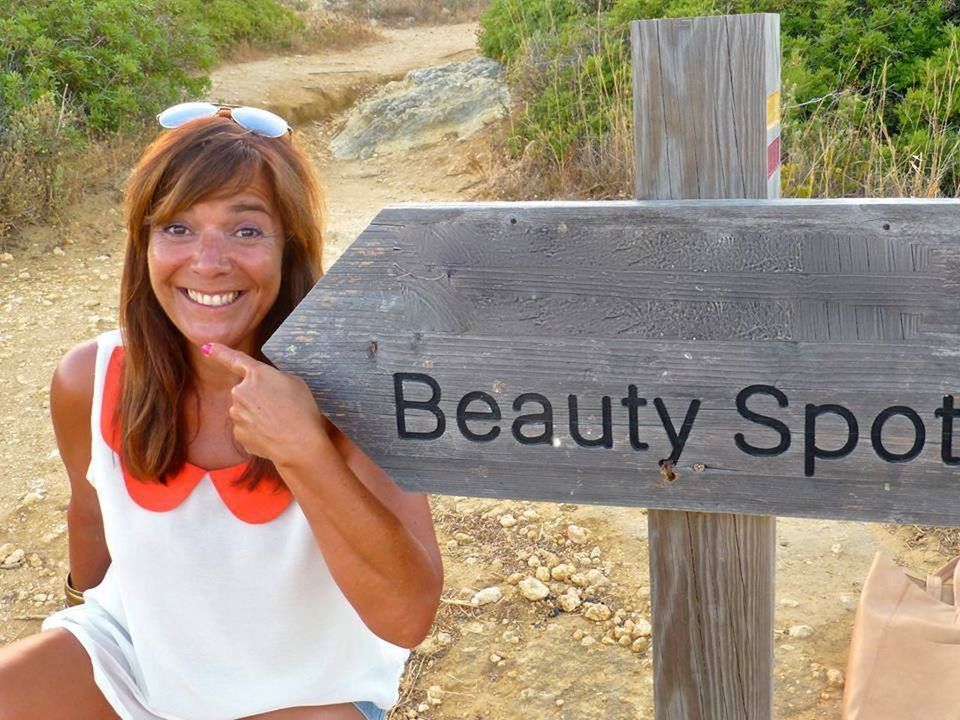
514, 658
305, 88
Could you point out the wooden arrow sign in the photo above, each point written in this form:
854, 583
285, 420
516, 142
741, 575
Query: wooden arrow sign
768, 357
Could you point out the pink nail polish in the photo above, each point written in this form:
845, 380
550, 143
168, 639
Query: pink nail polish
207, 347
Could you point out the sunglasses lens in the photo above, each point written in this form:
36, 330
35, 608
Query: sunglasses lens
261, 122
177, 115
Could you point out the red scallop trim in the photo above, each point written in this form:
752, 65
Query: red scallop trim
260, 505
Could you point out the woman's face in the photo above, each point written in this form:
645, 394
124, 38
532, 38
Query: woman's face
216, 267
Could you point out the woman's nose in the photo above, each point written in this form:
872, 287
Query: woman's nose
212, 252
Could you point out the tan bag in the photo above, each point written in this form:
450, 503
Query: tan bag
905, 651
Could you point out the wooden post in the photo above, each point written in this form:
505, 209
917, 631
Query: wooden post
707, 125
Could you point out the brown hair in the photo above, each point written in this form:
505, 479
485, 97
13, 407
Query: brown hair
205, 158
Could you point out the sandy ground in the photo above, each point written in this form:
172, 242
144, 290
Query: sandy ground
509, 659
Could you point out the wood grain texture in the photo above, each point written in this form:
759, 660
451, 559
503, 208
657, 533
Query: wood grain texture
712, 590
700, 118
712, 575
831, 302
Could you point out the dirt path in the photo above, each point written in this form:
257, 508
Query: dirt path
512, 658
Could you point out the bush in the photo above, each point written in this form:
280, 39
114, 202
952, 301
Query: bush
73, 71
116, 62
36, 149
403, 12
568, 62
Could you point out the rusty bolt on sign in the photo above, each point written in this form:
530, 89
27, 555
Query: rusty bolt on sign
666, 470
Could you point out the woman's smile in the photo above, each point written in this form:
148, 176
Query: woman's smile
213, 300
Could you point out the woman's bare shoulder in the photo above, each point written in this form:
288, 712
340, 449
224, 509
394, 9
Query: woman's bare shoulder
73, 378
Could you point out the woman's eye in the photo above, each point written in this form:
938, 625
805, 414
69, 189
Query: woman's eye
249, 233
176, 229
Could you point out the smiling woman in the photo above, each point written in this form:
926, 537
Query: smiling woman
234, 555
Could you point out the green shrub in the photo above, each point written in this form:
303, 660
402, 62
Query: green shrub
117, 61
72, 71
568, 63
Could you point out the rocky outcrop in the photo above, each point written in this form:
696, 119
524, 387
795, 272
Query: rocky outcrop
429, 105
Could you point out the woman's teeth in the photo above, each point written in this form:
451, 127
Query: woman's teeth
212, 300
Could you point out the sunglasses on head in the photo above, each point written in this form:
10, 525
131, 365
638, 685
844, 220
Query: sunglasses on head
256, 120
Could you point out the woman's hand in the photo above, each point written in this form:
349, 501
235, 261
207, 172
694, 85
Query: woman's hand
271, 410
377, 540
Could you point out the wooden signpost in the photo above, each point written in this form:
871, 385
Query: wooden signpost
748, 357
707, 125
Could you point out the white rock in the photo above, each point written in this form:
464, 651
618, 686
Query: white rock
58, 252
533, 589
640, 645
14, 559
836, 549
510, 636
588, 641
543, 574
800, 631
577, 534
443, 638
6, 549
595, 577
570, 600
435, 694
508, 520
6, 257
641, 628
487, 596
562, 571
598, 612
31, 498
835, 678
789, 602
579, 579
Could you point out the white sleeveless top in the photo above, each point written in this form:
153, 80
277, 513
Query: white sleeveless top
205, 616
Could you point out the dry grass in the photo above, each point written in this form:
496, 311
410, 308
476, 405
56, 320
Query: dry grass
928, 538
593, 163
322, 30
419, 12
596, 168
46, 164
846, 148
325, 30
